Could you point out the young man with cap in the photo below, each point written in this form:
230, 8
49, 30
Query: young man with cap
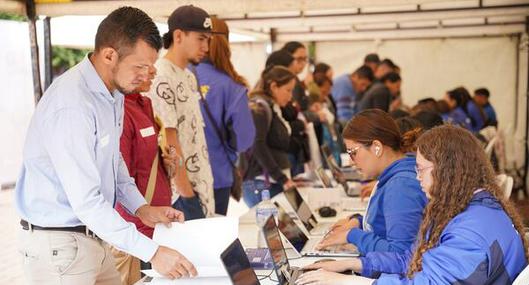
73, 173
175, 97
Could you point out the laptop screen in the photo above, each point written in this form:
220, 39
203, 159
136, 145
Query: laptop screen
279, 256
326, 180
290, 230
301, 208
236, 263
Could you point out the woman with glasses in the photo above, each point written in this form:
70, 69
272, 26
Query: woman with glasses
470, 233
393, 215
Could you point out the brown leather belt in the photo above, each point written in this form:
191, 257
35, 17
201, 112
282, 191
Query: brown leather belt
78, 229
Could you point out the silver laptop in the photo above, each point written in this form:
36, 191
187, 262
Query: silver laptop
304, 245
304, 213
285, 273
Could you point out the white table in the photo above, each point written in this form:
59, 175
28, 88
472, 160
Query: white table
248, 231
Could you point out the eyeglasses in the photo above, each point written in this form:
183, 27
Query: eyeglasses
352, 152
421, 170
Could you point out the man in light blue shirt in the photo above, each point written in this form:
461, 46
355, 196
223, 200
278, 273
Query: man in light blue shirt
73, 173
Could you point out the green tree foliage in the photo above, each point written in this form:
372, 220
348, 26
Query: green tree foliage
64, 58
12, 17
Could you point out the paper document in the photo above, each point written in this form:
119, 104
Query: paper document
201, 241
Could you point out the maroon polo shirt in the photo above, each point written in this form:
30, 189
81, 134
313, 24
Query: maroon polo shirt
139, 145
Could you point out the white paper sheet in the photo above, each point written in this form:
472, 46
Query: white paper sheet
201, 241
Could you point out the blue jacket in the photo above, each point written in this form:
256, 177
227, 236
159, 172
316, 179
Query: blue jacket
344, 95
476, 117
479, 246
228, 103
394, 212
458, 117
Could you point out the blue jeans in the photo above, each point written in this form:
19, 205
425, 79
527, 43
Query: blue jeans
251, 191
222, 199
191, 207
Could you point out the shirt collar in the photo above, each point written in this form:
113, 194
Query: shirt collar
94, 81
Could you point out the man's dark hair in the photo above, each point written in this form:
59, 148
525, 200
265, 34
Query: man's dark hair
279, 57
483, 92
372, 57
321, 68
399, 113
320, 78
391, 76
291, 47
428, 119
365, 72
389, 63
122, 29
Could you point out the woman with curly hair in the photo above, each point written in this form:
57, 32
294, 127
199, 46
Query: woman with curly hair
470, 233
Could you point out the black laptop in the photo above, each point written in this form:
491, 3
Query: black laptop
237, 265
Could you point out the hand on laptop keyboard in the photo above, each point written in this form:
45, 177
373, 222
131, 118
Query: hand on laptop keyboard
333, 238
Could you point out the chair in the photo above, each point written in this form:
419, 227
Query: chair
523, 277
506, 182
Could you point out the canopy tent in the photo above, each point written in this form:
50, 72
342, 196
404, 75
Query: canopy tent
430, 39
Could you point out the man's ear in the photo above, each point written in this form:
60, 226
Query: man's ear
109, 55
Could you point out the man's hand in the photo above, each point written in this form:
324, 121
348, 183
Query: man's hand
171, 264
366, 189
289, 184
150, 215
345, 224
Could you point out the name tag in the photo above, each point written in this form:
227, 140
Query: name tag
147, 132
104, 141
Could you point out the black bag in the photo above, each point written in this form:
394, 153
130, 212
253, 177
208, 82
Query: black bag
236, 187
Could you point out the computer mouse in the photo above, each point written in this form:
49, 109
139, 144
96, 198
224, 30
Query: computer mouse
327, 212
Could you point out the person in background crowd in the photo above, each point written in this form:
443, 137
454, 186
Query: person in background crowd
299, 151
377, 95
145, 163
266, 164
323, 68
225, 92
347, 91
481, 97
386, 66
473, 110
456, 114
393, 82
379, 151
175, 98
426, 104
372, 60
470, 233
73, 173
428, 119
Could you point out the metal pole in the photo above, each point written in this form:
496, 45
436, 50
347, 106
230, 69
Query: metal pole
37, 89
48, 51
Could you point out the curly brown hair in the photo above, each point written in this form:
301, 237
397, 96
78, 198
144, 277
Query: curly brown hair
457, 157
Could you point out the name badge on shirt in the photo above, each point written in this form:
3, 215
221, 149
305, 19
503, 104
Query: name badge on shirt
147, 132
104, 141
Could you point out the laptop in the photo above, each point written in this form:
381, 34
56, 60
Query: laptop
286, 275
304, 213
302, 244
325, 179
342, 175
237, 265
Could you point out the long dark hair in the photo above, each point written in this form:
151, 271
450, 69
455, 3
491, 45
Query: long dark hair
278, 74
460, 168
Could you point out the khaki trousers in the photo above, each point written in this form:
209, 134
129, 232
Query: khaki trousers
127, 265
56, 257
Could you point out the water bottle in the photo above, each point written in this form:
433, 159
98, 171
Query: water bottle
264, 210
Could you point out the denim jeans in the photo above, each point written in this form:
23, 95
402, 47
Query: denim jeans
222, 199
251, 190
190, 206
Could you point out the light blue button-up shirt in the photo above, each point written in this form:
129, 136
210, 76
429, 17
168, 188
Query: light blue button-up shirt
73, 172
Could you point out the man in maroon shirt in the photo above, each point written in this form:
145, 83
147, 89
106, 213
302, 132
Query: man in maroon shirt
139, 147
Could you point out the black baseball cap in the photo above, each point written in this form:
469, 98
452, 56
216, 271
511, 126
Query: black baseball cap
190, 18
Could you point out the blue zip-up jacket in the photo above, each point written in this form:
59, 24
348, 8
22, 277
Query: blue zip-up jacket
228, 103
479, 246
394, 212
477, 120
458, 117
344, 95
